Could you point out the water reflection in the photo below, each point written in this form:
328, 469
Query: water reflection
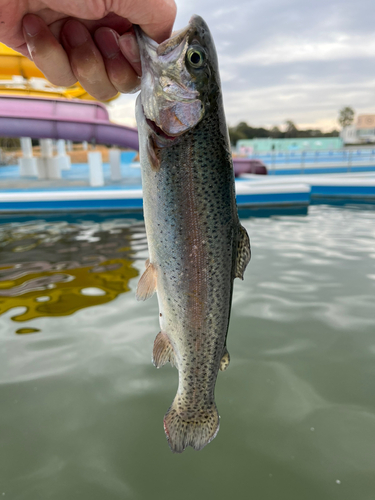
82, 405
56, 268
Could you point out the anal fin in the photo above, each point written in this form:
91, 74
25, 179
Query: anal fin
147, 283
163, 351
243, 252
224, 363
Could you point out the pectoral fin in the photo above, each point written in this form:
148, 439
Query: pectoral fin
163, 351
147, 284
243, 252
224, 363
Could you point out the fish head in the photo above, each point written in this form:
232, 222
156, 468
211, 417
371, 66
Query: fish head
179, 78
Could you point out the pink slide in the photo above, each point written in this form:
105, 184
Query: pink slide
74, 119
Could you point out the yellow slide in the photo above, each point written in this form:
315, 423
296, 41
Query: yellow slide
13, 63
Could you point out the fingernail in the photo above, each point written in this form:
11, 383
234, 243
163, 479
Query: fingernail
106, 40
75, 34
129, 47
32, 25
136, 88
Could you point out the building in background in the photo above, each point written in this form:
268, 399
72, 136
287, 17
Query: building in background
349, 135
268, 145
361, 133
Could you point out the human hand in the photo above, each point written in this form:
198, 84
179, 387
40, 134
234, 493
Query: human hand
86, 40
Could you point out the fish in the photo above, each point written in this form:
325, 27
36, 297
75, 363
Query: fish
196, 244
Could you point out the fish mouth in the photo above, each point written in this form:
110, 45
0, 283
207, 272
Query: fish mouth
173, 42
179, 36
170, 108
149, 46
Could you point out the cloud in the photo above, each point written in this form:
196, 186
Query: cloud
122, 110
302, 104
290, 49
224, 11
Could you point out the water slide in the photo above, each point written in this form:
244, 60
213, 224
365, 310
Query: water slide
31, 107
69, 119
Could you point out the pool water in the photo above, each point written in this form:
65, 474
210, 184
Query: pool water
82, 406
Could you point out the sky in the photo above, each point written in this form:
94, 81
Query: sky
286, 60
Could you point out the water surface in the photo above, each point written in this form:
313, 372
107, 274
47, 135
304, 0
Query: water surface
82, 405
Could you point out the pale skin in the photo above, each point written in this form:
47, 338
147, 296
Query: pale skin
91, 41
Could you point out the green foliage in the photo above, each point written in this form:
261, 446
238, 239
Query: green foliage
291, 130
276, 133
346, 116
244, 131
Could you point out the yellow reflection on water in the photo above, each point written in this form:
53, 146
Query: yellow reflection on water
58, 269
22, 331
62, 293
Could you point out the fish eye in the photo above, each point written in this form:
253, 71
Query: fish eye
195, 57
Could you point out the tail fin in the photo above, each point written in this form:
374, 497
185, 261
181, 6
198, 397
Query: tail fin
194, 430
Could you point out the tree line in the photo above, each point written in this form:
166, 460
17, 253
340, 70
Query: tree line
245, 131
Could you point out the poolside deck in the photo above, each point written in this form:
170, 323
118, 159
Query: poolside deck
350, 187
73, 192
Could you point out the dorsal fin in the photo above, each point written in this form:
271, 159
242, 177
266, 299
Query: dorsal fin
163, 351
147, 283
243, 252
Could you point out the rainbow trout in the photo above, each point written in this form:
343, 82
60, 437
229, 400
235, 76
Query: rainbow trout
197, 245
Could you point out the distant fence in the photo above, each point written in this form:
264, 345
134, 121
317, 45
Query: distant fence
343, 159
